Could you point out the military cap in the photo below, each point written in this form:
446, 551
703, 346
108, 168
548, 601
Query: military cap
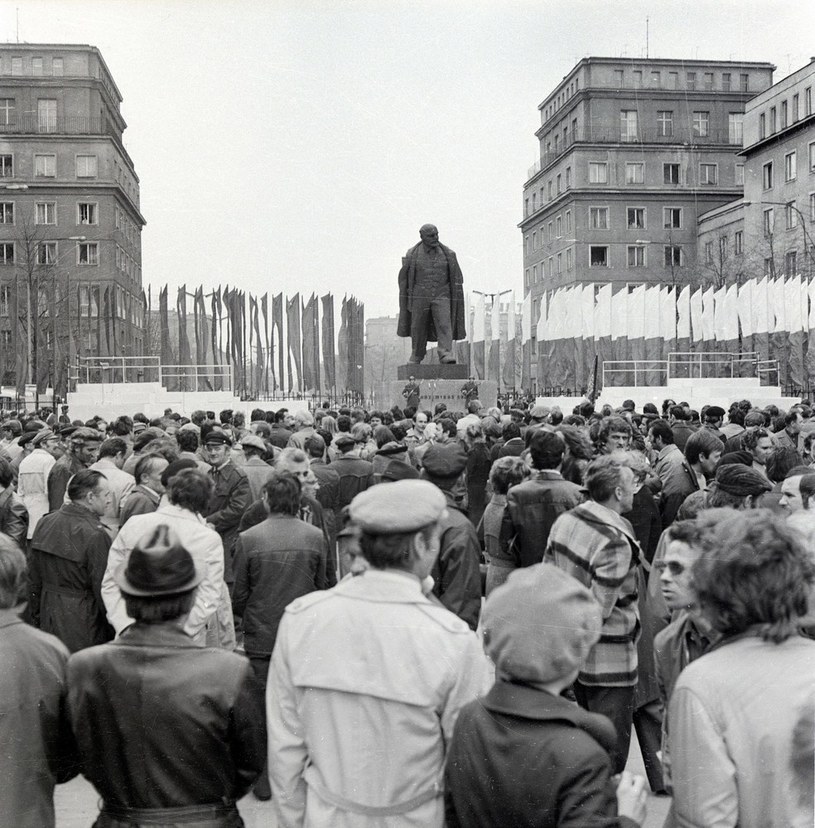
715, 411
216, 437
444, 460
396, 508
389, 449
68, 430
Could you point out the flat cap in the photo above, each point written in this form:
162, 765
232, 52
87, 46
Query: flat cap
42, 435
395, 508
398, 470
186, 427
715, 411
216, 437
540, 412
253, 441
392, 448
344, 440
741, 481
444, 460
26, 438
68, 430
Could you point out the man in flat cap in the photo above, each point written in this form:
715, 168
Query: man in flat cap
82, 453
737, 486
167, 730
431, 297
457, 573
370, 669
32, 479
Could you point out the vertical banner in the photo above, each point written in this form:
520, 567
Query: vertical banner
359, 364
479, 334
217, 312
494, 358
602, 330
342, 347
309, 351
269, 362
526, 344
508, 372
277, 322
259, 349
295, 342
328, 343
184, 355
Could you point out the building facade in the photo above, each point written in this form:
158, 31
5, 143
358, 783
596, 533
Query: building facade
70, 222
632, 151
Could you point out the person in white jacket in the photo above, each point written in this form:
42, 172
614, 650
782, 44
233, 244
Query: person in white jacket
210, 620
32, 478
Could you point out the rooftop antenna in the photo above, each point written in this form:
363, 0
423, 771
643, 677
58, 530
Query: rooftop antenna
647, 55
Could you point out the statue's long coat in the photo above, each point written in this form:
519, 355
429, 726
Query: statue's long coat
407, 278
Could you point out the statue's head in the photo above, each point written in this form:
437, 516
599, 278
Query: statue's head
429, 234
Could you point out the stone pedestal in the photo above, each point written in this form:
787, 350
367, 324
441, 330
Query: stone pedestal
440, 384
433, 371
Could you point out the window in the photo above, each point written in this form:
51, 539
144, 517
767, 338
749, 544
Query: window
767, 175
6, 212
5, 300
691, 80
808, 101
47, 115
534, 274
791, 263
670, 173
526, 210
5, 338
665, 123
701, 124
86, 166
598, 172
534, 202
790, 166
768, 221
723, 248
655, 78
708, 173
791, 215
772, 120
7, 166
526, 279
549, 190
725, 81
628, 125
673, 80
47, 253
635, 218
87, 213
559, 263
45, 166
739, 174
637, 78
672, 217
6, 253
568, 221
568, 177
569, 260
16, 66
795, 113
559, 227
634, 173
7, 111
735, 128
673, 255
709, 252
57, 67
744, 81
738, 242
708, 80
557, 186
783, 114
811, 157
528, 242
535, 240
636, 255
598, 218
46, 212
36, 67
769, 266
549, 231
598, 256
87, 253
762, 126
812, 206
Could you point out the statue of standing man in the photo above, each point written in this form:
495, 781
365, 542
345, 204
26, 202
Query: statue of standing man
431, 297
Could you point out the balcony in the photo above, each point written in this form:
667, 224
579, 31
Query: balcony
33, 124
606, 135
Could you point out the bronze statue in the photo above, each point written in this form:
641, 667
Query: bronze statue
431, 297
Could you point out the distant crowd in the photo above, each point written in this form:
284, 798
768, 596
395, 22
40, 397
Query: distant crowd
411, 617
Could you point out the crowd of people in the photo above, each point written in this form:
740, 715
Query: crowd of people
410, 617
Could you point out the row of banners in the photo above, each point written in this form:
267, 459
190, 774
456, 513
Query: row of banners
286, 344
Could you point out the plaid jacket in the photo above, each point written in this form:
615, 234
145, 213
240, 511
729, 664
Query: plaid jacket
599, 548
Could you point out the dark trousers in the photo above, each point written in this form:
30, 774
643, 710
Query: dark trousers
617, 703
648, 727
260, 667
424, 309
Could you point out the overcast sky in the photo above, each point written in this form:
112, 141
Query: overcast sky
299, 145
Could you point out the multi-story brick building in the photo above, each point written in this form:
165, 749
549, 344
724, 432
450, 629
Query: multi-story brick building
631, 152
70, 223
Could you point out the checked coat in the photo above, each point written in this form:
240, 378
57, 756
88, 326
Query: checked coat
596, 546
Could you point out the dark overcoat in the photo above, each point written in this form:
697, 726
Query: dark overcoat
407, 279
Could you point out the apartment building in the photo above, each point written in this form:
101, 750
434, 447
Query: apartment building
632, 151
70, 222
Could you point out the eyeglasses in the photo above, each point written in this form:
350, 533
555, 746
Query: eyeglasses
674, 567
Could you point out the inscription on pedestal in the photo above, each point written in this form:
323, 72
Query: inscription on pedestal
428, 371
